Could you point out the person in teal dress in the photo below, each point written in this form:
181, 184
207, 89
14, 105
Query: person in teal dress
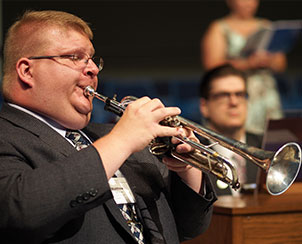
223, 42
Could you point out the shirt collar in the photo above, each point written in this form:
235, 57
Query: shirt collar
51, 123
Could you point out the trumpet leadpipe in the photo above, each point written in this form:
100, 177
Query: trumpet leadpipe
111, 104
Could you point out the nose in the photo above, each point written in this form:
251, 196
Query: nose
91, 69
234, 99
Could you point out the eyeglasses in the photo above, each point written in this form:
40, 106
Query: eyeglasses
224, 97
80, 60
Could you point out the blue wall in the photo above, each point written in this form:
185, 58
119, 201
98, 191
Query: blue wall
184, 94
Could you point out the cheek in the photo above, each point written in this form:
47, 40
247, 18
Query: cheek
243, 109
220, 109
54, 80
66, 88
218, 113
58, 94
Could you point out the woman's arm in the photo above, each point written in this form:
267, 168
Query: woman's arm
214, 48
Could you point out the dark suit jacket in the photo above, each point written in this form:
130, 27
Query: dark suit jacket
251, 169
51, 193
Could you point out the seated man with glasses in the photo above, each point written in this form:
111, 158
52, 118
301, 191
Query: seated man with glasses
65, 180
223, 105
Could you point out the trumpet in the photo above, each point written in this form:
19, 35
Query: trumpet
281, 167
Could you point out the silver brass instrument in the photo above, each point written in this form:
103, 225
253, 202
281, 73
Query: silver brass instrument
282, 167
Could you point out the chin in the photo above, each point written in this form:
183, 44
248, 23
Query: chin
234, 127
84, 121
77, 122
78, 126
84, 109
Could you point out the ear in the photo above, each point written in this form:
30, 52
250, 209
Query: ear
203, 107
24, 71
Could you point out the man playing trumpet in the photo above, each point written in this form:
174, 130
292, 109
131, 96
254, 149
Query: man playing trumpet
64, 180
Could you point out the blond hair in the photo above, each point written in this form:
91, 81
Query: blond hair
24, 38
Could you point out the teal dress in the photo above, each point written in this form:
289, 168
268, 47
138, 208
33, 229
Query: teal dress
264, 98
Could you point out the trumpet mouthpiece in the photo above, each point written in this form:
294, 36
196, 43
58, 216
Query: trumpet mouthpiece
89, 91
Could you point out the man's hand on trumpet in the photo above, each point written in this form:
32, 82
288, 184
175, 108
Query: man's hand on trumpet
138, 126
190, 175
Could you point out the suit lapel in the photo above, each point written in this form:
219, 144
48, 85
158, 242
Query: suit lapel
36, 127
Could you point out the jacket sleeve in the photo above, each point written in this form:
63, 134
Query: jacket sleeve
192, 211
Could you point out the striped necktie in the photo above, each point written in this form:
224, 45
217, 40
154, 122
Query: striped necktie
78, 140
129, 213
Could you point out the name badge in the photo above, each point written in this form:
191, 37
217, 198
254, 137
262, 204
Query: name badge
121, 191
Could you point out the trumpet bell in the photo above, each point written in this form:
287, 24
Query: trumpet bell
284, 168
